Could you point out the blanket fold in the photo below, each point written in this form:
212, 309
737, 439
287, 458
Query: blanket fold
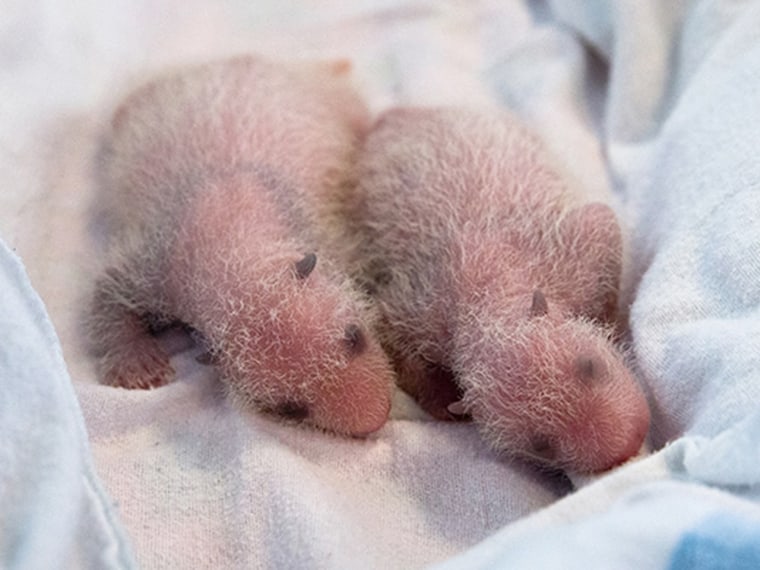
55, 512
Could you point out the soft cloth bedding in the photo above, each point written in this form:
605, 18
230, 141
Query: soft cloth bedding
649, 105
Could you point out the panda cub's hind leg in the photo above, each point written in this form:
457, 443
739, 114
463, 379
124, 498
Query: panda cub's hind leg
432, 385
121, 319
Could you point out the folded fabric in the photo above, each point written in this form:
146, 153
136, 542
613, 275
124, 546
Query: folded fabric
55, 514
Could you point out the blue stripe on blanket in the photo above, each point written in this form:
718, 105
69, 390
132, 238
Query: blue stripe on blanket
723, 541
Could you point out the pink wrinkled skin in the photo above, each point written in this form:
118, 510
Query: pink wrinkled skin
497, 286
214, 179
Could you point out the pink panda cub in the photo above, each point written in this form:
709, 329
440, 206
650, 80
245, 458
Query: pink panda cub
496, 285
215, 179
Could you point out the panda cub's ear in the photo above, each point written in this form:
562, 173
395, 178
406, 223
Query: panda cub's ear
305, 266
538, 306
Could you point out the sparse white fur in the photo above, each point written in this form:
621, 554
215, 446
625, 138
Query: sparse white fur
461, 217
215, 179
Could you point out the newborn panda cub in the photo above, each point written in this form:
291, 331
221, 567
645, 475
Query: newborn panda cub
497, 286
214, 179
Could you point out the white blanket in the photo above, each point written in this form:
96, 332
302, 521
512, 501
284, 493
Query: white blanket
650, 105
